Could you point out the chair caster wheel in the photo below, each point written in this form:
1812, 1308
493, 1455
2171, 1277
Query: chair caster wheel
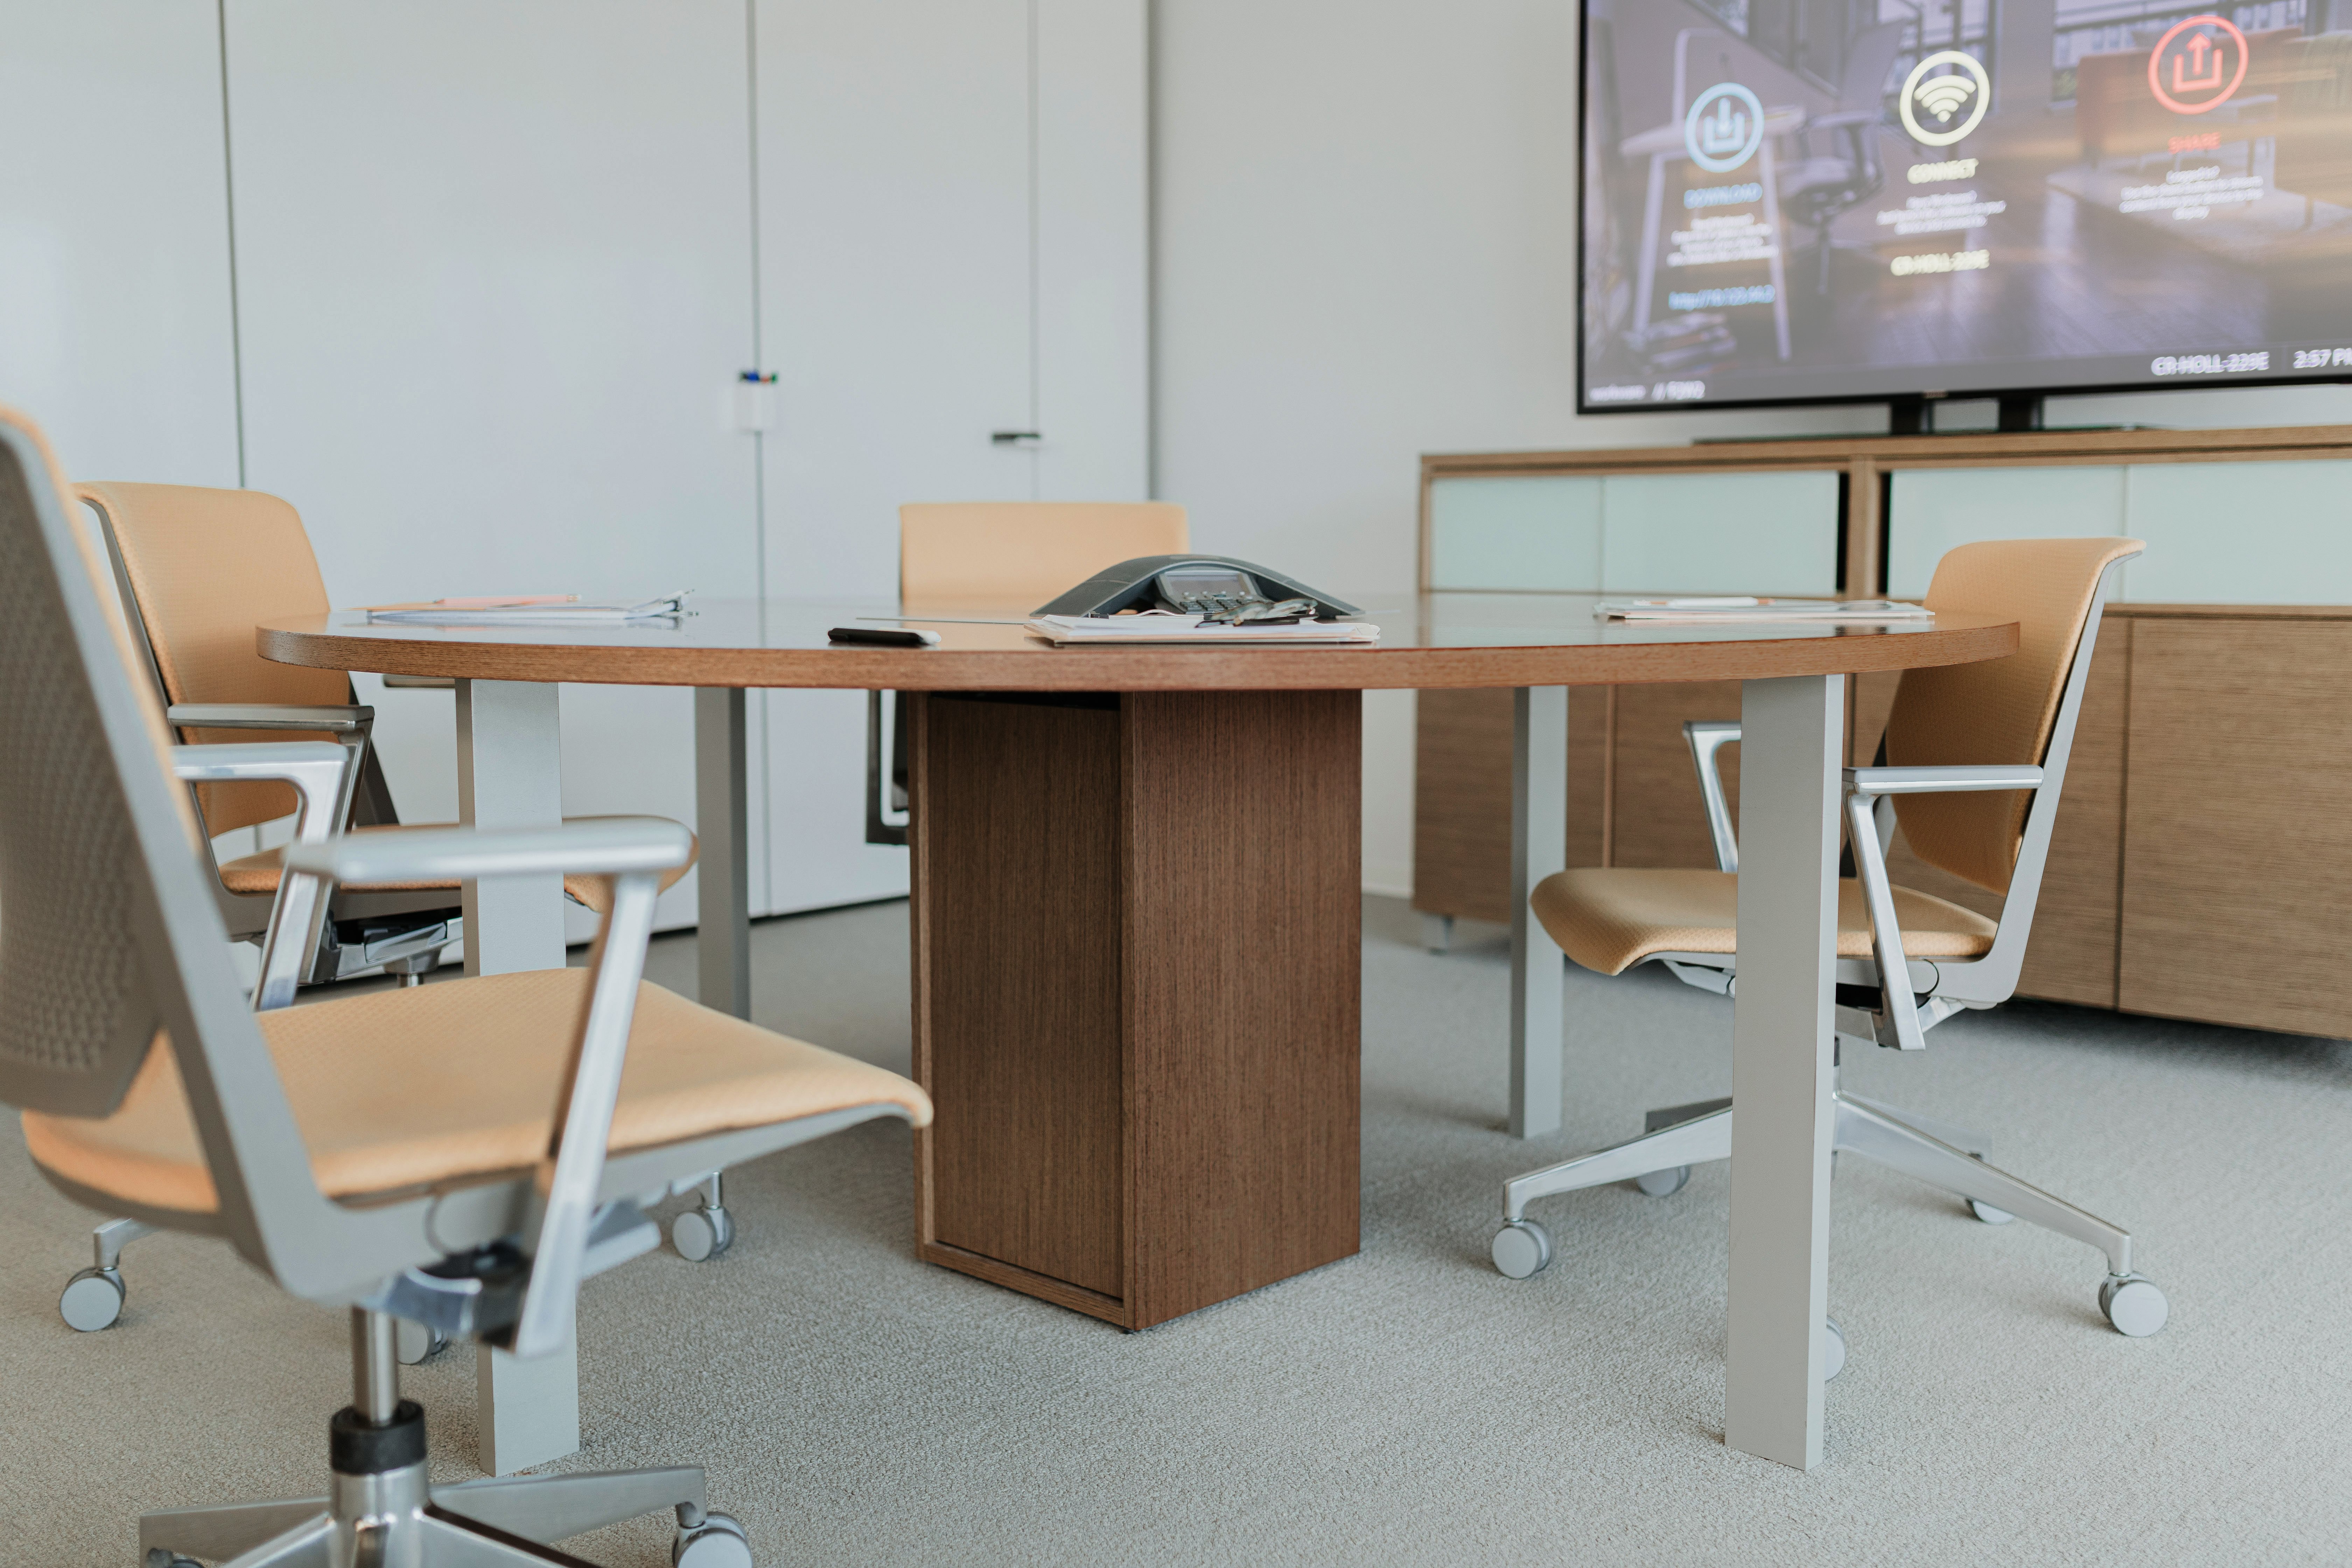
1833, 1349
700, 1235
413, 1342
1522, 1248
92, 1299
718, 1541
1664, 1184
1988, 1213
2133, 1305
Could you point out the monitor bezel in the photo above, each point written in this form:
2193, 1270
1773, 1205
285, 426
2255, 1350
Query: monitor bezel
1586, 407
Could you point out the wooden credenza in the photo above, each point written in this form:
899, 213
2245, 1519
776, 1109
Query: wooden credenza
2201, 866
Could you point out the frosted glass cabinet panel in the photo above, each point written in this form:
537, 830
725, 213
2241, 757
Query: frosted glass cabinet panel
1720, 533
2241, 533
114, 278
1690, 533
1931, 510
1519, 533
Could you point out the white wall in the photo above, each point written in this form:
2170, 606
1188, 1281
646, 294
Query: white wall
114, 261
1365, 250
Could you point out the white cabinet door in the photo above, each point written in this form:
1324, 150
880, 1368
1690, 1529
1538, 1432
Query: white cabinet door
953, 207
495, 265
1093, 249
895, 312
114, 258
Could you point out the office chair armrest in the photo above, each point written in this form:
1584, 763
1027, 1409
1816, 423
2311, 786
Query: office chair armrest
323, 774
1706, 738
1939, 780
298, 762
613, 845
339, 719
633, 851
1898, 1009
571, 1173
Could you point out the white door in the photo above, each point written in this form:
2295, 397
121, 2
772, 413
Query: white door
495, 267
1093, 261
894, 279
952, 225
115, 258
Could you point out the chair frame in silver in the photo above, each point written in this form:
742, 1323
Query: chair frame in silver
93, 1298
1676, 1138
577, 1211
413, 950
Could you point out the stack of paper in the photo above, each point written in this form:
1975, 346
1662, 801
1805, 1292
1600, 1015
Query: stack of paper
1747, 609
529, 610
1157, 627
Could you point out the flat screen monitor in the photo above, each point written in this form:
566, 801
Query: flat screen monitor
1791, 201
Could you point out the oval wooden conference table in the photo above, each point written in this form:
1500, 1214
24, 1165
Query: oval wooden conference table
1136, 914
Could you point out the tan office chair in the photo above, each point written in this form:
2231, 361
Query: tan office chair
196, 570
990, 555
1973, 764
1024, 552
199, 569
474, 1195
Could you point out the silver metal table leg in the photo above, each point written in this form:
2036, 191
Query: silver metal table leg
1783, 1066
721, 822
1538, 848
510, 774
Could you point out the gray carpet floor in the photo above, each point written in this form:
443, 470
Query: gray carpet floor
1405, 1406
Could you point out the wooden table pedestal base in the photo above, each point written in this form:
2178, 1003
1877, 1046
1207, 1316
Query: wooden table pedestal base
1136, 946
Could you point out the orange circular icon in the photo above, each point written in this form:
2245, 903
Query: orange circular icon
2197, 74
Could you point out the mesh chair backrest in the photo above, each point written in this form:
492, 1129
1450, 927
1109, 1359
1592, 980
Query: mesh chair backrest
78, 1009
205, 567
1999, 711
1024, 552
1870, 57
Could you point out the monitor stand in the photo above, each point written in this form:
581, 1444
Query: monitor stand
1917, 415
1910, 417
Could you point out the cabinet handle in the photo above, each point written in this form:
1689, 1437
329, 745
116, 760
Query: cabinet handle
1015, 438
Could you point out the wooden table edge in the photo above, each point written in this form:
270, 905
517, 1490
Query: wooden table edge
1139, 670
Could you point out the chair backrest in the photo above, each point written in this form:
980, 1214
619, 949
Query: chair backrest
2001, 710
78, 1013
203, 567
1024, 552
1869, 58
111, 942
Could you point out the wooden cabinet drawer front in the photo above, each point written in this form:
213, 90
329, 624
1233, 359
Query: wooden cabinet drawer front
2238, 825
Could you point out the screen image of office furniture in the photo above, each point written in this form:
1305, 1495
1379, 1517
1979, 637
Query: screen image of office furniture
2312, 152
320, 1142
1975, 762
954, 553
2231, 626
1839, 164
2117, 117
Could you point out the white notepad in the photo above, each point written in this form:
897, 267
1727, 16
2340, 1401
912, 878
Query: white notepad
1698, 610
539, 610
1159, 627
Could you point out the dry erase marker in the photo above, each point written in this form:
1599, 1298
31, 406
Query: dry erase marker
884, 636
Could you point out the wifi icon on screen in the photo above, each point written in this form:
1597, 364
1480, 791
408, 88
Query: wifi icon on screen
1943, 97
